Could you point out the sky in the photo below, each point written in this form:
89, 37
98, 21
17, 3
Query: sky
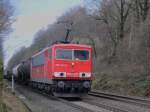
31, 16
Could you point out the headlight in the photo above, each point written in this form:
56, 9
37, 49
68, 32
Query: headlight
85, 74
59, 74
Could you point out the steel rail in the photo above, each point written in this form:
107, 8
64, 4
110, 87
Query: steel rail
107, 107
126, 99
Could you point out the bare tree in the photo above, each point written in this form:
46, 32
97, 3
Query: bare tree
114, 14
144, 6
141, 9
123, 7
5, 20
4, 25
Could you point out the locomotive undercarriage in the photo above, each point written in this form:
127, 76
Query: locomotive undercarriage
61, 88
71, 88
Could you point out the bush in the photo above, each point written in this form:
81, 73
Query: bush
143, 83
2, 105
3, 108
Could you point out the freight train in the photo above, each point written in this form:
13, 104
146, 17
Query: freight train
65, 70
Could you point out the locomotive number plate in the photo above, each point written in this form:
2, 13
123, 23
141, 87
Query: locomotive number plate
72, 74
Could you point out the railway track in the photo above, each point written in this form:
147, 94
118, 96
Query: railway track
86, 105
81, 104
106, 106
126, 99
75, 103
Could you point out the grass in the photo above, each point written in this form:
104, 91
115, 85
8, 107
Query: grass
8, 98
143, 84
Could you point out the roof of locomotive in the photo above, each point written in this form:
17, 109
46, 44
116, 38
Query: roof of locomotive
71, 44
64, 45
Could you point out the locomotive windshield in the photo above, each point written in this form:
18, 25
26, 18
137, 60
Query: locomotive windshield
81, 55
72, 54
64, 54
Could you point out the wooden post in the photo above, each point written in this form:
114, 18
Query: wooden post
12, 85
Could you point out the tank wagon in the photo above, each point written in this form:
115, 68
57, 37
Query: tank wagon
65, 70
7, 74
21, 72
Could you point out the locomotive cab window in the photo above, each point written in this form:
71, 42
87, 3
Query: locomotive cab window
81, 55
64, 54
68, 54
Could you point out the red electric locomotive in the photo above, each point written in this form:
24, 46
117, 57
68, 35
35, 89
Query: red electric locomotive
63, 69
